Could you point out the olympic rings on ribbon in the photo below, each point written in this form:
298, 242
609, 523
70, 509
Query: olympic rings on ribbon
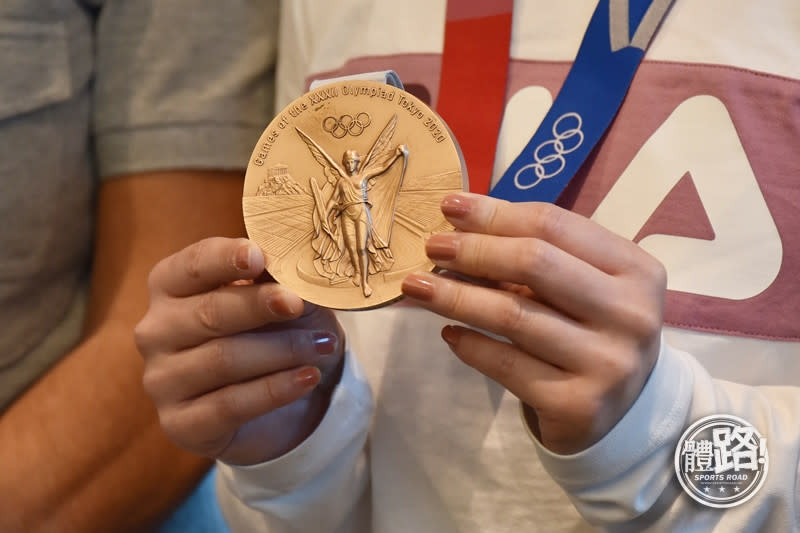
339, 127
552, 163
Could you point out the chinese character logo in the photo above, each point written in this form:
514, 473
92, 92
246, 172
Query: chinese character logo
721, 461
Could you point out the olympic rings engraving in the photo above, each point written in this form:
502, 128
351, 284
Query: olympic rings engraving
339, 127
548, 157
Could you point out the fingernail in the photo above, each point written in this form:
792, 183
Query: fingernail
243, 257
442, 247
418, 286
456, 206
256, 255
307, 377
451, 335
281, 305
324, 342
247, 256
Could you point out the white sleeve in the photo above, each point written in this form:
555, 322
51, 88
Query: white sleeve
318, 485
627, 481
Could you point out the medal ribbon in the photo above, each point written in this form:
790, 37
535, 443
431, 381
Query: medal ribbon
472, 87
587, 102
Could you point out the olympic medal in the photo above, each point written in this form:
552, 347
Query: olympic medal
343, 189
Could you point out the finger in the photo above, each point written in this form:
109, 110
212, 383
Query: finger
218, 313
223, 411
528, 378
560, 279
221, 362
573, 233
206, 265
532, 326
483, 282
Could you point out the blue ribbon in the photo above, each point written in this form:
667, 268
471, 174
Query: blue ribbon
588, 101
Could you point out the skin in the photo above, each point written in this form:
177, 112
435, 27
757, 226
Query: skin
237, 367
82, 449
580, 307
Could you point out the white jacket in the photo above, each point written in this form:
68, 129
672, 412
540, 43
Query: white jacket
416, 441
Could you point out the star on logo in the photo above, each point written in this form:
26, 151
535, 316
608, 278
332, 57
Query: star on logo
722, 489
706, 489
736, 489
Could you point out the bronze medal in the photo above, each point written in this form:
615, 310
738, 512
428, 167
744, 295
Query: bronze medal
344, 188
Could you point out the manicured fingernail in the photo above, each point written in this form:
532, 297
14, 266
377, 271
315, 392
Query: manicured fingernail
324, 342
442, 247
256, 256
246, 256
451, 335
419, 286
307, 377
242, 258
456, 206
283, 305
